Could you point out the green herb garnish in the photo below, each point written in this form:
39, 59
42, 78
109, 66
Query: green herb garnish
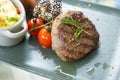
74, 23
12, 19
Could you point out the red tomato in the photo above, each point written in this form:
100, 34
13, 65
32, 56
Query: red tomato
18, 11
34, 22
44, 38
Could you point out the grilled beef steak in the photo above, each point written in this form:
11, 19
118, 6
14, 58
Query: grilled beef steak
63, 36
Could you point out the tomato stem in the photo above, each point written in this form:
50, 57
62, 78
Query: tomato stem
34, 20
35, 28
49, 29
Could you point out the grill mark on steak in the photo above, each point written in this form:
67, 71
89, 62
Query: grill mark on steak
76, 55
69, 49
64, 31
65, 28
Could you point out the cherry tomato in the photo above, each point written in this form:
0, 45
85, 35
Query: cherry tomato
34, 22
44, 37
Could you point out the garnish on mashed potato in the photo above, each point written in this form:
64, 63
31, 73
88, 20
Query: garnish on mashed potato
8, 14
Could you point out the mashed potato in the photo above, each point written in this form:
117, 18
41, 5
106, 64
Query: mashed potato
8, 14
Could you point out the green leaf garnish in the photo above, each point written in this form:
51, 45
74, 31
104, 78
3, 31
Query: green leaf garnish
12, 19
74, 23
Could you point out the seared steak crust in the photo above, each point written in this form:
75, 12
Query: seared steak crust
63, 42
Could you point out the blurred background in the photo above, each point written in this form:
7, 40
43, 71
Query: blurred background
111, 3
8, 72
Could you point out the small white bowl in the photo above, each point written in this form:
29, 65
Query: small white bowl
14, 34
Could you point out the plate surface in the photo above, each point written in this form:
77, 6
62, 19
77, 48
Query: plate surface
101, 64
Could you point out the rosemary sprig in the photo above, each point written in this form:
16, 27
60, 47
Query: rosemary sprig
35, 28
75, 24
78, 33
